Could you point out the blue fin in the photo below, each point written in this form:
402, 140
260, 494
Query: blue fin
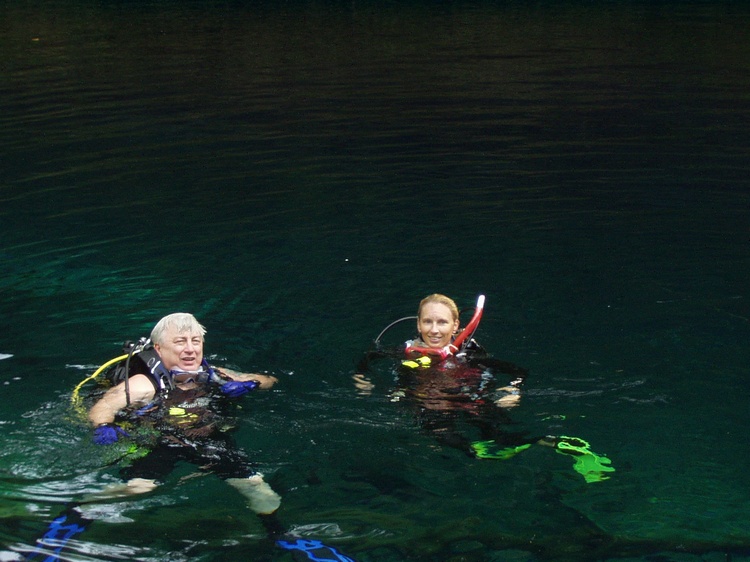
56, 538
315, 550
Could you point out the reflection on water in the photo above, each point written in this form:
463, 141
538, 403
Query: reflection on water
299, 174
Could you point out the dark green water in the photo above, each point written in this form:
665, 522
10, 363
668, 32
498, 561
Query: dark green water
300, 174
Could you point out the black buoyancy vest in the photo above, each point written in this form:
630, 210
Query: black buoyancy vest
144, 362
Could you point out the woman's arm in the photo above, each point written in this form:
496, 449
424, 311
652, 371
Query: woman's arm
362, 382
510, 394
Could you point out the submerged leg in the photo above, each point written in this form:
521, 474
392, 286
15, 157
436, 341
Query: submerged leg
132, 487
260, 496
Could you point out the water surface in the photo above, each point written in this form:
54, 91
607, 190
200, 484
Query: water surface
300, 174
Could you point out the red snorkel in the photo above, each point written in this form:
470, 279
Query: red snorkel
468, 332
455, 345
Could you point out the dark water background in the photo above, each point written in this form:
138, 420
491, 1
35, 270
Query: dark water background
300, 174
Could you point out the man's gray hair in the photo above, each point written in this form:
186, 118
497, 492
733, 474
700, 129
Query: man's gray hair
183, 322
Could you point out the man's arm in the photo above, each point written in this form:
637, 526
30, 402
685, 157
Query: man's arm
142, 392
264, 381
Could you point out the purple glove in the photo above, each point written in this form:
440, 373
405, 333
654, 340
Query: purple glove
234, 389
108, 433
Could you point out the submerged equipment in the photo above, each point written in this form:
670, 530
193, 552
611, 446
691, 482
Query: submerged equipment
315, 550
592, 466
489, 450
56, 538
459, 342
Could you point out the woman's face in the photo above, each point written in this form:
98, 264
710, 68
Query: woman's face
436, 325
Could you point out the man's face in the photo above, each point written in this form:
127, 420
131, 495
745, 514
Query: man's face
180, 350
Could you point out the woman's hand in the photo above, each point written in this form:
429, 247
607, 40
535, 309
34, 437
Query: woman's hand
511, 399
363, 384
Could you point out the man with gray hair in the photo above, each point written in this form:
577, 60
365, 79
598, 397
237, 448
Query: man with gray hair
168, 386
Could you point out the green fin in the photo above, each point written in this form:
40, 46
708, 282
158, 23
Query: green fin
591, 466
484, 450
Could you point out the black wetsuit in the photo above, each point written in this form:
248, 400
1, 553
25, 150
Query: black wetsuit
190, 425
451, 396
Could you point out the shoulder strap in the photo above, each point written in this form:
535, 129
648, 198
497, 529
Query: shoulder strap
160, 377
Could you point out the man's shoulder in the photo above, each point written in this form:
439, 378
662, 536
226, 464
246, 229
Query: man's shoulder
140, 379
141, 383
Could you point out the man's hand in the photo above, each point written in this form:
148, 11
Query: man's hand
108, 433
264, 381
233, 389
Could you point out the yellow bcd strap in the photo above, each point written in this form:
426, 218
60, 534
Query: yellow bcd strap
75, 399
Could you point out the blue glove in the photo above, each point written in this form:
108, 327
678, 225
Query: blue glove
234, 389
108, 433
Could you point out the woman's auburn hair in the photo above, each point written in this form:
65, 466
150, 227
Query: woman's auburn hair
439, 299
